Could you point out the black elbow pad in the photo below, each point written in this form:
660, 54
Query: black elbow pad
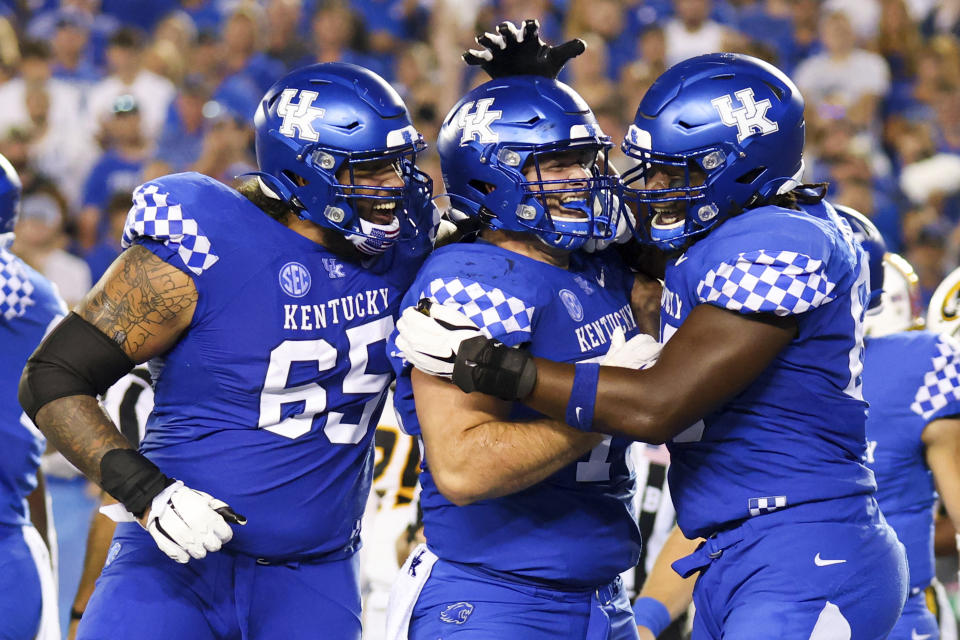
75, 359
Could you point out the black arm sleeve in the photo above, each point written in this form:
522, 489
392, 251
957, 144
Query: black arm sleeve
75, 359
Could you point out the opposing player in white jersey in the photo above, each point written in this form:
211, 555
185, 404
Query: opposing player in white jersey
391, 509
29, 308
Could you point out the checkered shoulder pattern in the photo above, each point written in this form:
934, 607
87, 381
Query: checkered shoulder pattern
156, 214
780, 282
15, 287
496, 313
941, 385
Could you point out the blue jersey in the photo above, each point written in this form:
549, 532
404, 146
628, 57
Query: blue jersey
575, 528
270, 398
29, 307
910, 379
796, 434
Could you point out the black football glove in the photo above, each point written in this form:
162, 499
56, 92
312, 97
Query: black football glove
515, 52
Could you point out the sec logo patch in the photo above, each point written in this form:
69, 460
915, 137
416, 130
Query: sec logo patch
295, 279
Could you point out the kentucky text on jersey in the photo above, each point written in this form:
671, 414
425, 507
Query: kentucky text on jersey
597, 333
371, 302
535, 535
671, 304
273, 423
796, 434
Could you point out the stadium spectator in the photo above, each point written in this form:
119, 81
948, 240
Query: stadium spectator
182, 136
119, 169
844, 74
128, 76
692, 32
40, 241
282, 40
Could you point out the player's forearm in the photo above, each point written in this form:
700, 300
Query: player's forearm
495, 459
626, 404
37, 501
942, 441
663, 583
81, 431
714, 356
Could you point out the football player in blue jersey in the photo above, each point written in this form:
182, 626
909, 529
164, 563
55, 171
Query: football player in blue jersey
29, 307
757, 391
263, 314
509, 495
912, 383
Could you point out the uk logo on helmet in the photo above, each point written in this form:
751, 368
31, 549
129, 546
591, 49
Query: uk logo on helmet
749, 119
299, 116
476, 125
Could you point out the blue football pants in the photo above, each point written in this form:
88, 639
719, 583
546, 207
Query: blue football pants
464, 604
22, 601
790, 575
916, 622
144, 594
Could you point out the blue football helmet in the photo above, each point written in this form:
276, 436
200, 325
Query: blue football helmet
869, 237
10, 189
728, 131
505, 127
324, 120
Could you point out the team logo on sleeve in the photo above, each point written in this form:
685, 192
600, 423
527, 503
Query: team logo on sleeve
299, 116
572, 304
476, 125
749, 119
112, 554
456, 613
295, 279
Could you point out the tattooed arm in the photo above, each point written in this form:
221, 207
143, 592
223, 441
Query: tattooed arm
143, 304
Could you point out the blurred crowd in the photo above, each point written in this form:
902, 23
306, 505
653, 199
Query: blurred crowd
97, 96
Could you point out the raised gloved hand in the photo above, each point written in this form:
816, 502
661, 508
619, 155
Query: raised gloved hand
639, 352
514, 52
430, 335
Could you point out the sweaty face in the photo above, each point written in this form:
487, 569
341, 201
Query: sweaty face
383, 172
568, 199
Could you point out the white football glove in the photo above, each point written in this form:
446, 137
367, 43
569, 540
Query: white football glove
639, 352
430, 335
185, 523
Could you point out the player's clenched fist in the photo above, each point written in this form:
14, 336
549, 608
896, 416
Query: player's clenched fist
186, 523
431, 334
